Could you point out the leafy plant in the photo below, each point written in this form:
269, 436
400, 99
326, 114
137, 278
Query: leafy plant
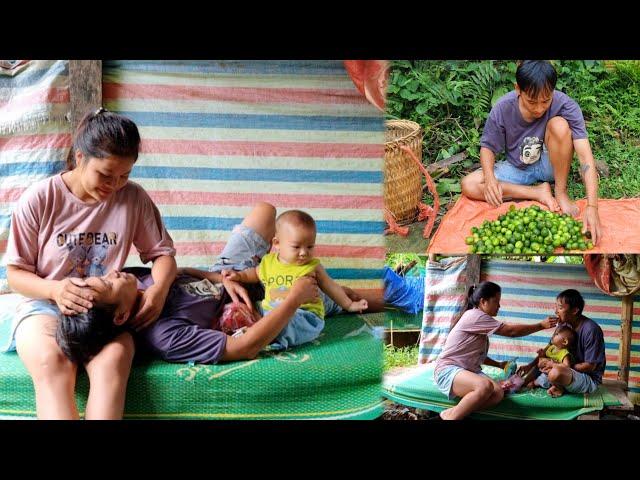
452, 99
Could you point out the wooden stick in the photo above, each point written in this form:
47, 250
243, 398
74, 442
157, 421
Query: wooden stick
473, 271
625, 338
85, 91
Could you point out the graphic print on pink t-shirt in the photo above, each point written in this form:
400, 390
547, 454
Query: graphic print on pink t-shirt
86, 252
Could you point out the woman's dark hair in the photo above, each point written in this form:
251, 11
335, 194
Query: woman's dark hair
82, 336
572, 298
536, 76
484, 290
102, 134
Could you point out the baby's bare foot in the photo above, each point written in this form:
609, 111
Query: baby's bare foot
555, 391
545, 196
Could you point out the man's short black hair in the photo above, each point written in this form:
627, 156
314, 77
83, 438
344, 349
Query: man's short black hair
572, 298
536, 76
82, 336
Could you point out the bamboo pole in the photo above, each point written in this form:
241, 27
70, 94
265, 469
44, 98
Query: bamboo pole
625, 338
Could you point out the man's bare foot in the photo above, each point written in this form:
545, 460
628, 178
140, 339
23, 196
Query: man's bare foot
544, 196
555, 391
566, 204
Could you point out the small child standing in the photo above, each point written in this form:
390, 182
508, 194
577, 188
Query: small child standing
558, 351
294, 242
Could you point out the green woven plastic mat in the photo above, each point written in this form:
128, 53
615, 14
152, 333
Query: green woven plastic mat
396, 320
338, 376
416, 388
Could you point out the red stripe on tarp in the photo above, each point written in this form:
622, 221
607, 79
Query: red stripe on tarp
11, 194
436, 321
35, 142
50, 95
535, 280
263, 149
218, 199
279, 200
116, 91
444, 298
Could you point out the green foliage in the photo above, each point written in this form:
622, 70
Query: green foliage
395, 260
452, 99
400, 357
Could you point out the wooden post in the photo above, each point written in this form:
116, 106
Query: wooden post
625, 338
85, 91
473, 271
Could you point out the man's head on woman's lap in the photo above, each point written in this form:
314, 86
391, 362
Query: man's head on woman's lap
82, 336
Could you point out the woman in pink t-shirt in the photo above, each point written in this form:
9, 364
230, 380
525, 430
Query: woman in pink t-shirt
458, 370
73, 225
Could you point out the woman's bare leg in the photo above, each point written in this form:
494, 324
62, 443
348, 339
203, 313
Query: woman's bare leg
477, 392
108, 376
52, 373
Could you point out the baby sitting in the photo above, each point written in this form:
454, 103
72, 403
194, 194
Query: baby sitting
558, 352
294, 244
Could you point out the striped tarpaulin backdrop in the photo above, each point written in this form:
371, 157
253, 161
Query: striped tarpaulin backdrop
220, 136
444, 300
528, 295
35, 135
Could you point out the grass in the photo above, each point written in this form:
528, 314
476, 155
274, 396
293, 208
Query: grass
394, 260
400, 357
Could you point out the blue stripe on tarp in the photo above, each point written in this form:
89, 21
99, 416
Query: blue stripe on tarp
31, 168
429, 350
258, 175
30, 77
335, 273
443, 309
233, 67
552, 294
429, 329
217, 223
535, 267
249, 121
354, 273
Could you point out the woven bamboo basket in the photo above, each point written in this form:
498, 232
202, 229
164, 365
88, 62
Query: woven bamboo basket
402, 180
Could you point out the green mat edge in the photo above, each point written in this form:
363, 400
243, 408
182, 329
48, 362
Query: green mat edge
486, 415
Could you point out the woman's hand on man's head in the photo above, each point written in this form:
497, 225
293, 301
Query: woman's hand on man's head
72, 296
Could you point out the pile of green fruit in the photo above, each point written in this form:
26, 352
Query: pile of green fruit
529, 231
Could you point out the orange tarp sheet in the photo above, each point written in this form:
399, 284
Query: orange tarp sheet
619, 224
